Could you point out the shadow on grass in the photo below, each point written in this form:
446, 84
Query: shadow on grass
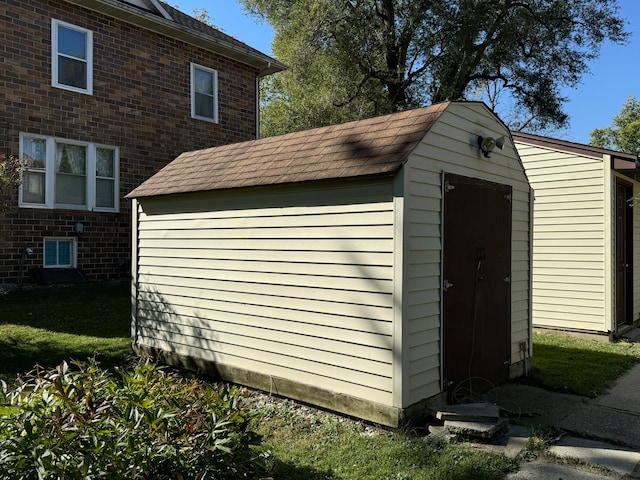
20, 352
98, 310
589, 370
46, 325
290, 471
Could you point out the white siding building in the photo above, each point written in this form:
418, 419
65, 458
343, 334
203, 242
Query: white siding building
312, 264
586, 243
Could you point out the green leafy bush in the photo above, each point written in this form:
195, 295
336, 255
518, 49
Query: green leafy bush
84, 422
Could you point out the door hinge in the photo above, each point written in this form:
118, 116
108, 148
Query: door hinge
508, 197
447, 285
448, 187
507, 279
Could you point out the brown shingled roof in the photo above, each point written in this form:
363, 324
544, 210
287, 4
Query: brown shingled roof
375, 146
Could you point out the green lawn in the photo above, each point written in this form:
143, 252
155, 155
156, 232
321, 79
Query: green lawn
579, 365
307, 444
46, 325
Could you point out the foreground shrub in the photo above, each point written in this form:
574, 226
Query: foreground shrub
83, 422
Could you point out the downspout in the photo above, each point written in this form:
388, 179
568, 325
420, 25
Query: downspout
257, 106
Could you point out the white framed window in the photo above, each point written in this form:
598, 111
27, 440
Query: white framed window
69, 174
71, 57
106, 191
204, 93
60, 252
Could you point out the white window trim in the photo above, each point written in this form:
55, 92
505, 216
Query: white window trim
54, 57
50, 176
73, 255
195, 66
91, 188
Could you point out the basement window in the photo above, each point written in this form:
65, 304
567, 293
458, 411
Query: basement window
59, 252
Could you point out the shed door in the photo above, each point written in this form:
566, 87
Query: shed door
476, 282
624, 242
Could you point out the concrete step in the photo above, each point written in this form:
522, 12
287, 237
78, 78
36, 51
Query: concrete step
438, 432
475, 429
470, 412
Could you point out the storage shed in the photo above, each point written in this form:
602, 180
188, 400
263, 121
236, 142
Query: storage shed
586, 248
367, 268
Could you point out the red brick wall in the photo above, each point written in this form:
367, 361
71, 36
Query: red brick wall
140, 103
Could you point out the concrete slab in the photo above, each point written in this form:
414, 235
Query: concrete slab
618, 459
475, 429
510, 442
632, 335
516, 441
469, 412
542, 470
625, 394
535, 406
604, 423
441, 434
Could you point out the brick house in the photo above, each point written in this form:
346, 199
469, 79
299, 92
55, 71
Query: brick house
98, 95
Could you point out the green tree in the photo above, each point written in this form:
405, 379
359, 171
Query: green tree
351, 59
624, 132
11, 172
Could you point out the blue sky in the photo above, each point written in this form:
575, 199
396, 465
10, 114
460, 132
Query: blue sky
614, 75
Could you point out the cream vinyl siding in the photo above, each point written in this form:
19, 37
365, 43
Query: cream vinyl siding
329, 288
571, 279
289, 282
450, 147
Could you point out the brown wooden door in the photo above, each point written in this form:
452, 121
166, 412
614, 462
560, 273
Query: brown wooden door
623, 242
476, 282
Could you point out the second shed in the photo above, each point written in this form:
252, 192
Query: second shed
586, 242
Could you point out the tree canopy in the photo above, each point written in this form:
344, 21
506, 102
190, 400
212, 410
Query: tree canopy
624, 132
352, 59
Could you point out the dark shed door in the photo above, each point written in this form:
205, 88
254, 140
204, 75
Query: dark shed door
624, 255
476, 282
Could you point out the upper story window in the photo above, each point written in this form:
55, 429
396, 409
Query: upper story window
72, 57
204, 93
67, 174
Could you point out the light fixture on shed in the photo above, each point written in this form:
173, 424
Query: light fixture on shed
487, 144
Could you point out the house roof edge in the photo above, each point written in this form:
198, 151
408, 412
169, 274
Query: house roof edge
220, 43
572, 147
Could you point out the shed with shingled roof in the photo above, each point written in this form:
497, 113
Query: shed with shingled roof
370, 268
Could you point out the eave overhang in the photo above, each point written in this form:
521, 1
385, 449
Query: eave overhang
624, 163
159, 24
